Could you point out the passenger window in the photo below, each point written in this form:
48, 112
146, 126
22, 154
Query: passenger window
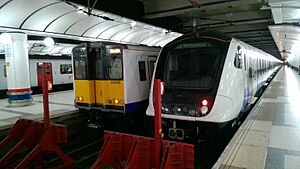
48, 69
245, 65
238, 58
66, 69
142, 70
4, 71
80, 69
151, 66
115, 68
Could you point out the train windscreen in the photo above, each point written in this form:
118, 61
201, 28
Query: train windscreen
80, 63
193, 63
115, 67
114, 63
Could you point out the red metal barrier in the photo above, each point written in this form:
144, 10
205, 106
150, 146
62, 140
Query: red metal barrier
39, 137
135, 152
177, 155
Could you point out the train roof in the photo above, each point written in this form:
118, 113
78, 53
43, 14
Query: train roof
217, 35
124, 46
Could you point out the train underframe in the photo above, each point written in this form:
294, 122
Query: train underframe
132, 123
195, 132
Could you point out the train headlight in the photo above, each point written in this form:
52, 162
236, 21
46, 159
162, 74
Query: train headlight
121, 101
110, 101
116, 101
203, 107
80, 98
204, 110
204, 102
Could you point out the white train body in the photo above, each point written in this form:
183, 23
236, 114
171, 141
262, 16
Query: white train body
135, 90
242, 72
59, 73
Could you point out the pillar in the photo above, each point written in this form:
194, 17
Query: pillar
17, 67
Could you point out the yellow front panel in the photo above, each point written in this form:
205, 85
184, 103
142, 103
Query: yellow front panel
108, 92
86, 90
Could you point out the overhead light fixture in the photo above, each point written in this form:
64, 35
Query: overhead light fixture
132, 24
80, 7
48, 42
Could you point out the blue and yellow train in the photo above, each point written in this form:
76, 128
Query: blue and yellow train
112, 78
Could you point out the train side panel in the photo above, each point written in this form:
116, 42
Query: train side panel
58, 76
3, 79
136, 78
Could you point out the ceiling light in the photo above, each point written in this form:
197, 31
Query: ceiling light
132, 24
48, 41
80, 7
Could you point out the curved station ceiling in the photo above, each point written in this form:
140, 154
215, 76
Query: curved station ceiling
64, 19
271, 25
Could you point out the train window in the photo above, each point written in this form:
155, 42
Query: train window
151, 67
4, 71
99, 63
204, 44
142, 70
80, 63
115, 67
238, 58
99, 68
66, 69
245, 62
191, 66
48, 69
80, 69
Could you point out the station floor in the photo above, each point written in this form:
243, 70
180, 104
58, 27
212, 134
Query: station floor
269, 138
60, 103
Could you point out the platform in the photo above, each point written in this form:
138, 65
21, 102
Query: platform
269, 138
60, 103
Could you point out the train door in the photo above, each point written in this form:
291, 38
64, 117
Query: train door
109, 84
83, 77
250, 59
39, 68
252, 77
238, 63
255, 75
246, 77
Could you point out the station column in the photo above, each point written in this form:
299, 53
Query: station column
17, 67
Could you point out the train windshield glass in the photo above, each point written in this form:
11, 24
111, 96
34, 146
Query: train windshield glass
80, 63
115, 67
194, 63
99, 62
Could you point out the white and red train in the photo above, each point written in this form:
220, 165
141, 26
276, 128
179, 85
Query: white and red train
60, 72
209, 81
